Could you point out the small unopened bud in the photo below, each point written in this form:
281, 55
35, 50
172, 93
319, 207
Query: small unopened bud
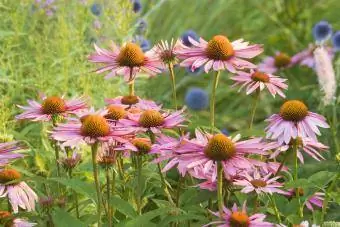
71, 162
46, 202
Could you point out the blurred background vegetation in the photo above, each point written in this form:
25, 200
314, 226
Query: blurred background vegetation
42, 53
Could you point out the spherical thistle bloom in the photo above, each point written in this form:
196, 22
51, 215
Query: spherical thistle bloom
96, 9
7, 220
294, 120
326, 75
7, 152
69, 163
166, 51
136, 6
144, 44
336, 41
18, 192
239, 218
185, 37
51, 106
273, 64
315, 200
154, 120
306, 57
304, 144
127, 60
260, 184
206, 150
218, 54
90, 127
133, 102
141, 26
322, 31
259, 80
197, 99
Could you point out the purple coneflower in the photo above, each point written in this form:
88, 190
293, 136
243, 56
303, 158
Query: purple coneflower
154, 120
6, 152
294, 120
315, 200
259, 80
240, 217
132, 101
259, 184
307, 145
218, 54
127, 61
275, 63
50, 107
90, 128
18, 192
206, 150
7, 220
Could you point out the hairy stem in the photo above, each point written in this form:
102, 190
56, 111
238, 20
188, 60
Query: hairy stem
253, 111
213, 99
220, 188
295, 150
94, 149
173, 83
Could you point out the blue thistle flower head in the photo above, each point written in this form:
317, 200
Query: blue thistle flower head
96, 9
197, 99
185, 37
336, 41
196, 72
141, 26
137, 6
225, 132
322, 31
142, 42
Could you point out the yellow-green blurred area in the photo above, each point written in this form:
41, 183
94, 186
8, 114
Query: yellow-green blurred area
43, 53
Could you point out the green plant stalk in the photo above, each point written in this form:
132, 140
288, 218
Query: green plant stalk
326, 200
220, 188
108, 195
253, 111
75, 196
113, 187
132, 87
282, 163
139, 183
165, 187
173, 83
277, 214
295, 150
213, 100
94, 149
56, 154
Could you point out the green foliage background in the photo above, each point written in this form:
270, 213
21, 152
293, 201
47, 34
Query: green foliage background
40, 54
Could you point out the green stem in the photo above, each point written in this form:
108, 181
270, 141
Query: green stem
326, 200
220, 188
108, 196
282, 163
139, 183
132, 88
212, 100
56, 153
75, 197
113, 187
179, 187
165, 187
277, 214
173, 82
295, 150
253, 111
94, 149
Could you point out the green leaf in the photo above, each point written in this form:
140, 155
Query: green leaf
321, 178
303, 183
62, 218
145, 219
78, 186
123, 206
182, 217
